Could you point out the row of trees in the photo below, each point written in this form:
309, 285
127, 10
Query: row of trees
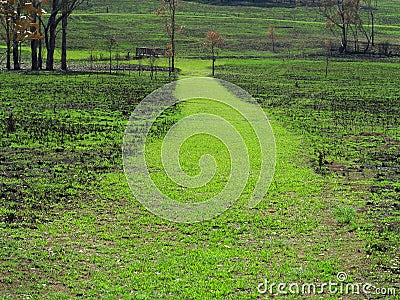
27, 21
36, 22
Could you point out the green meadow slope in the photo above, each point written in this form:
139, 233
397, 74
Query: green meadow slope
300, 30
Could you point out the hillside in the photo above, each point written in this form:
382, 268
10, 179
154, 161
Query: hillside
300, 31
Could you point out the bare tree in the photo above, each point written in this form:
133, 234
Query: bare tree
272, 36
112, 43
328, 51
59, 10
168, 54
345, 16
214, 41
64, 25
372, 20
167, 13
341, 14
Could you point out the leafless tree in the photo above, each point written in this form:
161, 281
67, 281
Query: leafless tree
214, 41
60, 10
272, 36
167, 12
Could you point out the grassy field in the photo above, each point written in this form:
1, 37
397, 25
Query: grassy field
71, 228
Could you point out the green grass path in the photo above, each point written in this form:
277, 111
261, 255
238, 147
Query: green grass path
213, 121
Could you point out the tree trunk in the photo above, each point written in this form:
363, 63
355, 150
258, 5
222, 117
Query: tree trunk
15, 45
173, 36
40, 55
372, 28
213, 60
51, 45
34, 55
34, 42
16, 55
110, 60
367, 37
8, 42
169, 66
343, 26
64, 24
344, 39
46, 42
50, 35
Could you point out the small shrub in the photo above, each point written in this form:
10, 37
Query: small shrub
10, 123
345, 214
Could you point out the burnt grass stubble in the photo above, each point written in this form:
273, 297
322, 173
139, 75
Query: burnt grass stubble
59, 136
352, 126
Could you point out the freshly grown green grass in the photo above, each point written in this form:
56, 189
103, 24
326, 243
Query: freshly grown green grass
109, 246
345, 214
70, 227
199, 143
